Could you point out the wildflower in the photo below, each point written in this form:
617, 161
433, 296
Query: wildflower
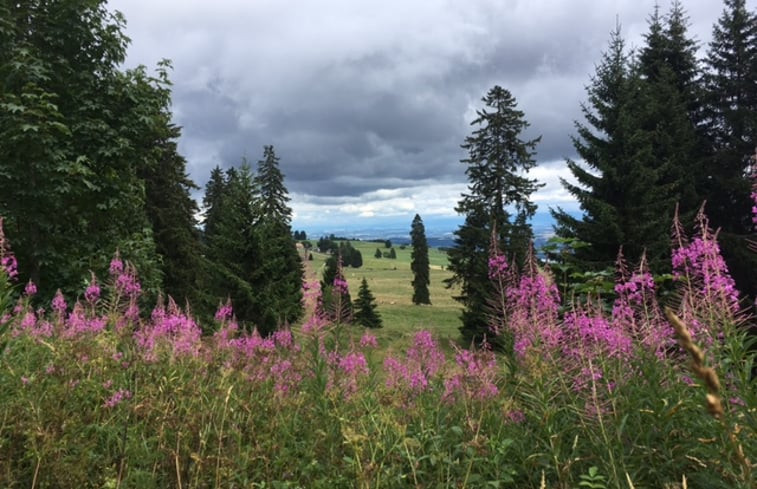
59, 303
368, 341
224, 311
119, 396
116, 265
30, 289
25, 380
7, 259
92, 294
515, 416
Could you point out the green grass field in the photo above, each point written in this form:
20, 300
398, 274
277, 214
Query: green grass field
390, 282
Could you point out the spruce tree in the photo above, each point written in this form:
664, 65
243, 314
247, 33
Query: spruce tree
731, 95
231, 244
277, 271
638, 145
731, 122
365, 307
419, 262
498, 199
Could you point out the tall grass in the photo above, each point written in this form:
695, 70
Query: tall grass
99, 394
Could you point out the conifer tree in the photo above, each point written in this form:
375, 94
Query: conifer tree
231, 243
277, 271
419, 262
731, 123
638, 144
365, 307
498, 199
731, 95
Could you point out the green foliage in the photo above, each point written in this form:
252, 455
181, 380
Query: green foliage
498, 201
250, 246
731, 116
378, 253
419, 264
365, 307
75, 133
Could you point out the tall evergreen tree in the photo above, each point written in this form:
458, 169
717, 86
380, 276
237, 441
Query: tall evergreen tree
171, 209
231, 243
211, 201
419, 262
731, 95
731, 121
274, 197
638, 147
498, 199
365, 307
278, 272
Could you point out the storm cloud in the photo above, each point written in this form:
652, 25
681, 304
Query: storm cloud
367, 102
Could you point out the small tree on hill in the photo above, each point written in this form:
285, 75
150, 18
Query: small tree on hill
419, 263
378, 253
365, 307
392, 253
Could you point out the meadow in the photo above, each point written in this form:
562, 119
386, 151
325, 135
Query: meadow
99, 393
390, 282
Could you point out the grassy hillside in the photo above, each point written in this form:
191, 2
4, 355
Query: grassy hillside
390, 282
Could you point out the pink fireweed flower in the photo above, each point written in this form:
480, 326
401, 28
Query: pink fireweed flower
7, 259
368, 341
423, 361
92, 294
59, 303
127, 283
116, 265
515, 416
341, 286
30, 289
117, 397
25, 380
169, 329
498, 266
475, 377
224, 311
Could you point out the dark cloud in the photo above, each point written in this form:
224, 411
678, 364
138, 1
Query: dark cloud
363, 96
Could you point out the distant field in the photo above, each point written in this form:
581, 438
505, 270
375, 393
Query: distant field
390, 282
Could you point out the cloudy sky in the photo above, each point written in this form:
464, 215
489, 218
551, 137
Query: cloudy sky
367, 102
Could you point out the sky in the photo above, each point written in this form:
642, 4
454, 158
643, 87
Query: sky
367, 102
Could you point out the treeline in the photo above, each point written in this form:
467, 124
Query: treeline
89, 166
664, 132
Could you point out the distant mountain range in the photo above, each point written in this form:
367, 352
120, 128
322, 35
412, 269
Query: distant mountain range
439, 230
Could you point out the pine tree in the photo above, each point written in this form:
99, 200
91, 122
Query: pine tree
378, 253
498, 199
365, 307
419, 262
